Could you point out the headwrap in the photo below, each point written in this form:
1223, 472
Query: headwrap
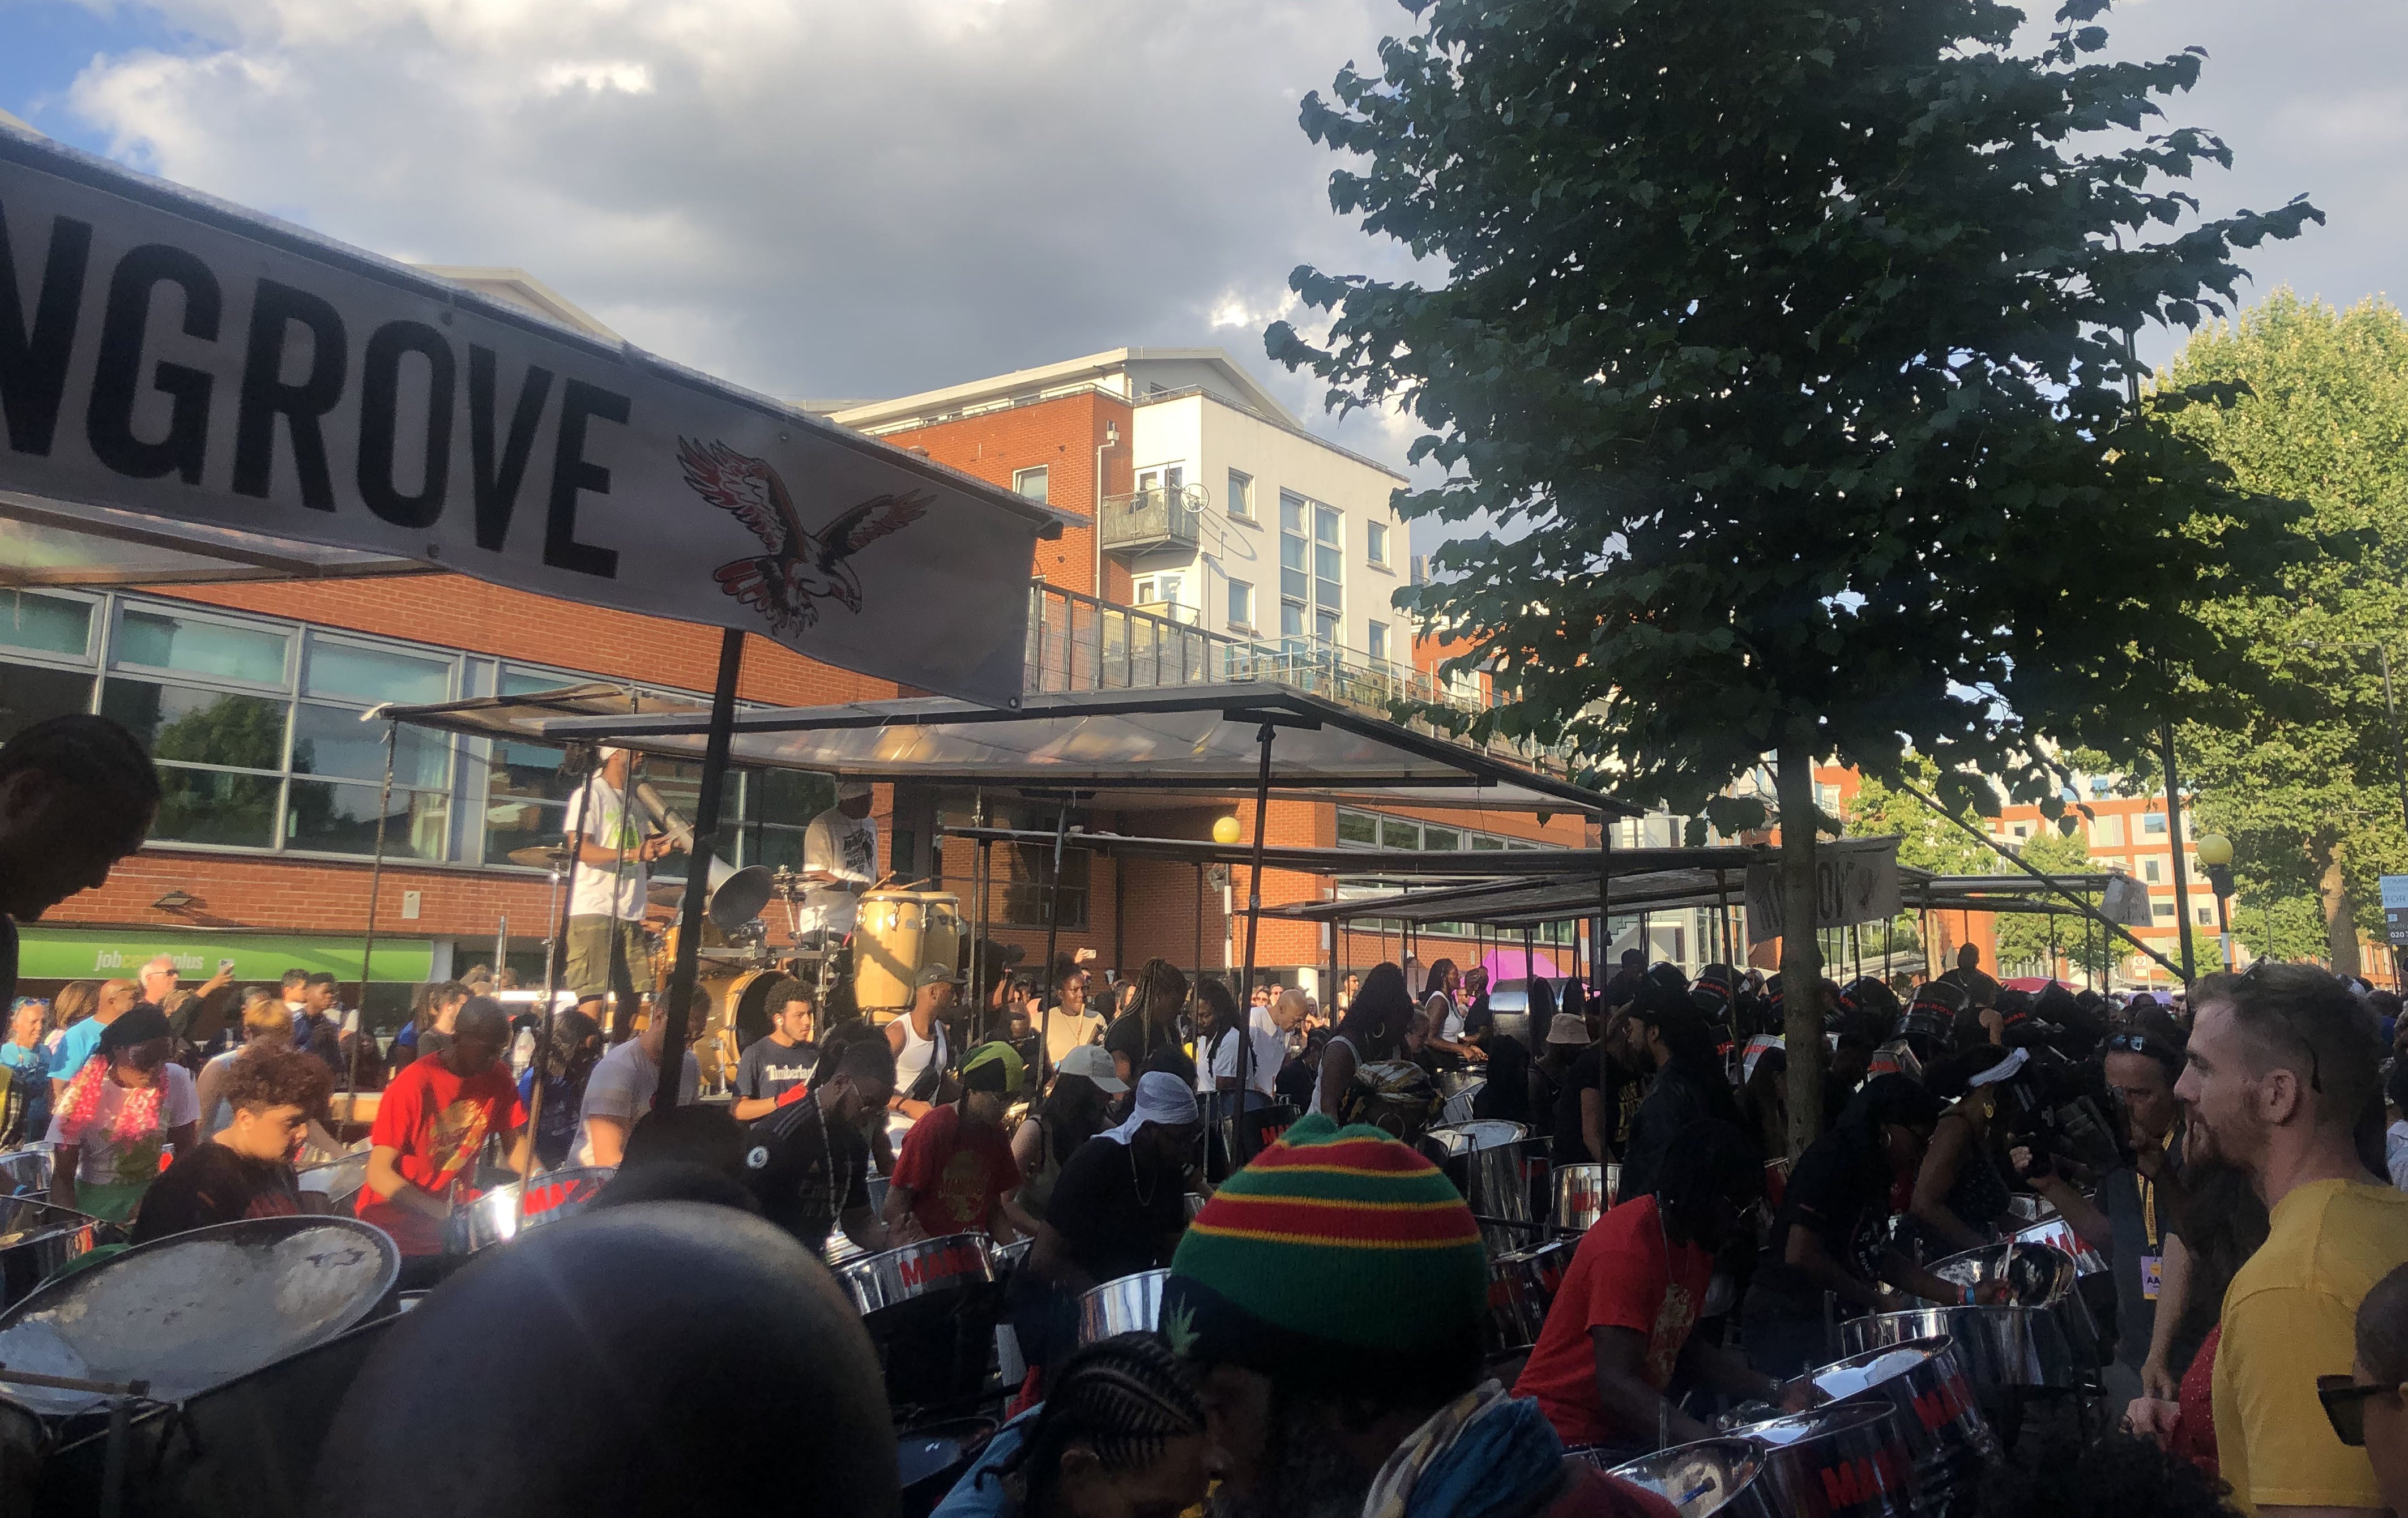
1162, 1098
1338, 1258
993, 1066
2005, 1070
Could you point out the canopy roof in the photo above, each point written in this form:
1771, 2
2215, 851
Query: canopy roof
1573, 893
47, 542
1183, 741
1484, 865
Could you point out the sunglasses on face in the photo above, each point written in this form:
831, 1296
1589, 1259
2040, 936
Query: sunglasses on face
2344, 1402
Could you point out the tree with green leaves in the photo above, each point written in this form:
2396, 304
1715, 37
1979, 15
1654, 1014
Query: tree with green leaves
2027, 937
2311, 799
1787, 342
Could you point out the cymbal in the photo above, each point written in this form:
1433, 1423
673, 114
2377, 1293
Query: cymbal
541, 856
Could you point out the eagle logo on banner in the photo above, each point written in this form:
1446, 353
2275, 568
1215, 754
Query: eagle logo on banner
799, 568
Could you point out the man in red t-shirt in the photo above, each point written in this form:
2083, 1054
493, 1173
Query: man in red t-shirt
431, 1124
1621, 1320
956, 1174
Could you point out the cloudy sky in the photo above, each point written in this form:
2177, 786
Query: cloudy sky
824, 198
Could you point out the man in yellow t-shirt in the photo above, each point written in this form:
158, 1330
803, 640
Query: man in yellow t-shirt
2281, 1062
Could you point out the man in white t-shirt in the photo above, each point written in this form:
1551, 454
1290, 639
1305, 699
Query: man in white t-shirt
623, 1085
606, 885
840, 862
1268, 1054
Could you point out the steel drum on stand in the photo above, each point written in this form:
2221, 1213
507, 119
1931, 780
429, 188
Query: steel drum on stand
38, 1241
1934, 1410
496, 1217
2038, 1276
337, 1180
1522, 1285
25, 1172
1132, 1304
1582, 1194
1490, 1162
1844, 1462
930, 1308
1700, 1480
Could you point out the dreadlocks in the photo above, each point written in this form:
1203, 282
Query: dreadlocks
1124, 1398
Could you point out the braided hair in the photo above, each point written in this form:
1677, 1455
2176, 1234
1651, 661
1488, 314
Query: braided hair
1124, 1398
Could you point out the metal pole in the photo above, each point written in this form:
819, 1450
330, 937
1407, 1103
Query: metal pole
1053, 933
577, 761
367, 940
697, 869
979, 868
501, 947
1254, 924
1200, 926
2174, 836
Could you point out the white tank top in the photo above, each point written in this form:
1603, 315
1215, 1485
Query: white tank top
919, 1057
1323, 1074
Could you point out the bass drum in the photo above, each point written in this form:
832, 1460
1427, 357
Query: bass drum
896, 932
742, 1005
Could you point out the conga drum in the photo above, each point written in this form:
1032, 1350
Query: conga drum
896, 932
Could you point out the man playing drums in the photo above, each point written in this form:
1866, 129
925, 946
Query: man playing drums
956, 1174
839, 863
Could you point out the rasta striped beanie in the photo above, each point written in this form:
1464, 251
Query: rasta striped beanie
1337, 1257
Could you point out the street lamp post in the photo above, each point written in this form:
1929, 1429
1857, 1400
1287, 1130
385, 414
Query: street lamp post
2215, 857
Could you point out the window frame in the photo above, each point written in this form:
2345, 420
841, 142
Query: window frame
1375, 545
1241, 590
1044, 473
1239, 503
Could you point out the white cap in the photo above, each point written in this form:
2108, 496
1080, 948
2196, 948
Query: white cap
1092, 1063
852, 790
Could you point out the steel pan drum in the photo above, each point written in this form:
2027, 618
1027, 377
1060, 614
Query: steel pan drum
495, 1217
840, 1249
1521, 1287
197, 1311
1711, 1476
915, 1272
26, 1171
37, 1240
1582, 1193
1455, 1105
1131, 1305
1842, 1462
1931, 1398
338, 1181
1998, 1346
2038, 1276
2051, 1229
1491, 1162
1011, 1256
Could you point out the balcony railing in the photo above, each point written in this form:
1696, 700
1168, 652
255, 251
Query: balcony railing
1078, 643
1147, 520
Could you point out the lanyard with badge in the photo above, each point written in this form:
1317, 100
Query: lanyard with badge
2152, 1250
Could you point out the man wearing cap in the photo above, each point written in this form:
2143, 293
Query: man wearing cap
956, 1174
922, 1055
840, 862
1117, 1210
606, 885
1330, 1295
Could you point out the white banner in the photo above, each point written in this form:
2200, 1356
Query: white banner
1856, 880
170, 354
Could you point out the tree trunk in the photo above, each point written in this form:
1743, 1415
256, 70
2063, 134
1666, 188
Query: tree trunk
1801, 958
2341, 915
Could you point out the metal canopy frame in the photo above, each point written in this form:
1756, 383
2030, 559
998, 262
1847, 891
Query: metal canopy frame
45, 542
1141, 740
1483, 865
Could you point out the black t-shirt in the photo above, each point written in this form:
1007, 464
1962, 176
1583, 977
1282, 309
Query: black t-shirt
1116, 1217
769, 1069
1624, 1090
211, 1183
1839, 1191
806, 1170
1148, 1047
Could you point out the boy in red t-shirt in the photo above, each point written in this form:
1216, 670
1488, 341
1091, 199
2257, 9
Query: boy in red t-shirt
432, 1122
956, 1174
1621, 1320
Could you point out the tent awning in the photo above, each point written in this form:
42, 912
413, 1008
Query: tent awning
1184, 740
47, 542
1390, 864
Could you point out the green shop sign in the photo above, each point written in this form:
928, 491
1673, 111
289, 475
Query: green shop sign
71, 954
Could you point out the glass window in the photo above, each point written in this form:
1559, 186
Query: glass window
46, 623
1240, 502
1241, 604
216, 806
198, 647
1482, 841
2107, 831
1325, 526
2149, 870
2206, 915
1357, 828
1375, 640
1294, 583
2153, 824
1396, 833
1442, 839
1291, 619
186, 725
1324, 626
333, 740
2162, 908
1031, 482
1375, 542
1291, 514
334, 818
30, 693
346, 671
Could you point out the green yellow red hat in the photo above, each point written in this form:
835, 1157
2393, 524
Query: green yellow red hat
1337, 1255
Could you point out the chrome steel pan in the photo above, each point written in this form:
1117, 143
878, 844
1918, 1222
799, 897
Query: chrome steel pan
337, 1180
2037, 1275
1933, 1405
197, 1311
1132, 1304
26, 1171
496, 1217
1709, 1477
931, 1268
1998, 1346
1582, 1193
37, 1240
1844, 1462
